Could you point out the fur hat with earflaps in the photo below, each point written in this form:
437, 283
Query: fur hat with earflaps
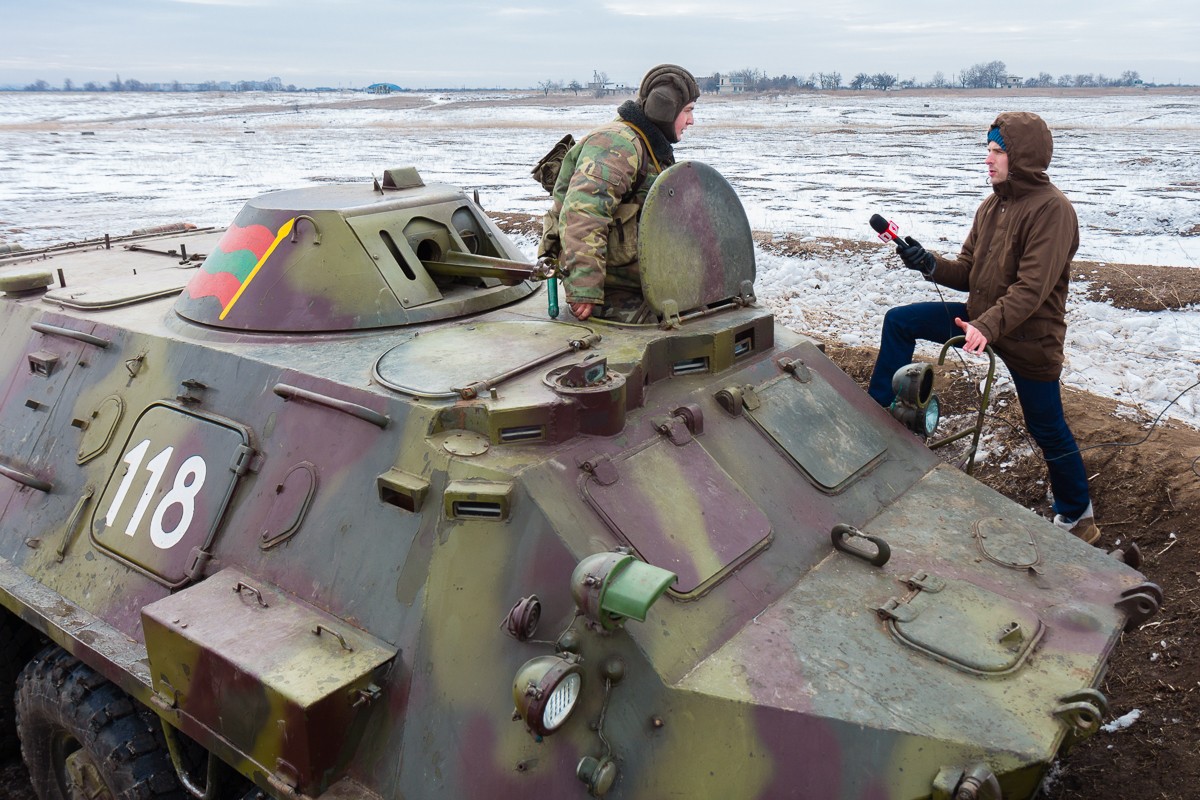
664, 92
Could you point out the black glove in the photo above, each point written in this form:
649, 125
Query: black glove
916, 257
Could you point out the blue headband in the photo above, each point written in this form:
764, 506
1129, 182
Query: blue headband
994, 136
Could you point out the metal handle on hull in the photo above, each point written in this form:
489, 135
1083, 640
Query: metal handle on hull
79, 336
346, 407
25, 479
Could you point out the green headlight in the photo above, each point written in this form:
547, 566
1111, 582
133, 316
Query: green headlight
611, 587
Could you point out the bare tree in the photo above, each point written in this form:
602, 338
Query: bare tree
599, 81
830, 80
883, 81
938, 81
574, 86
984, 76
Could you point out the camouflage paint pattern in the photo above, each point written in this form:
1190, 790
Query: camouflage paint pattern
294, 537
600, 190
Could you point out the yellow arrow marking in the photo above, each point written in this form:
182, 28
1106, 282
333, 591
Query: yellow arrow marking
284, 231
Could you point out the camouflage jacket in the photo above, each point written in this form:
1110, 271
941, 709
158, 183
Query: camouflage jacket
599, 193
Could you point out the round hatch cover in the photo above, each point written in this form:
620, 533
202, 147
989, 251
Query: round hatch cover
694, 241
440, 363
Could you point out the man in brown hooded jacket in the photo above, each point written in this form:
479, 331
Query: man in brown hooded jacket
1015, 267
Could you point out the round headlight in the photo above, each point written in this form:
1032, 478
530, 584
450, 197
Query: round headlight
561, 702
916, 405
546, 691
913, 384
933, 415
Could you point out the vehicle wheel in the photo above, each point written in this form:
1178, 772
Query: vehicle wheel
18, 643
84, 739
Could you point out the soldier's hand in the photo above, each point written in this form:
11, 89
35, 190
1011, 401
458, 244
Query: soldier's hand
582, 310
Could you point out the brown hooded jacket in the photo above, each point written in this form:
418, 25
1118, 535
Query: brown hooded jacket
1015, 262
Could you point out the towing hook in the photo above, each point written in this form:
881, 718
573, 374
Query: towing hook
841, 532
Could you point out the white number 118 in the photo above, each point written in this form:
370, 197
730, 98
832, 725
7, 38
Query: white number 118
188, 481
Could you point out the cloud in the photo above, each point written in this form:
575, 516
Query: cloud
232, 3
765, 11
524, 11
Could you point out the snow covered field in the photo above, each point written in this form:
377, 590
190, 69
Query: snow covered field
74, 166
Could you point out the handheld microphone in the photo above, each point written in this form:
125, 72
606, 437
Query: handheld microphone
888, 231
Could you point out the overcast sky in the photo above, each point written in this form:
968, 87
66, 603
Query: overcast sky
517, 43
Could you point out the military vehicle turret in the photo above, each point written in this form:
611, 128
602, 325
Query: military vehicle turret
327, 506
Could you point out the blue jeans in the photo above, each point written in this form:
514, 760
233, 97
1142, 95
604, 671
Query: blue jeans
1041, 401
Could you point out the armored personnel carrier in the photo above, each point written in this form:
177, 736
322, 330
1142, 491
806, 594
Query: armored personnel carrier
326, 505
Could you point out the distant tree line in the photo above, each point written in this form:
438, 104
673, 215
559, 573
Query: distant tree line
995, 74
134, 85
990, 75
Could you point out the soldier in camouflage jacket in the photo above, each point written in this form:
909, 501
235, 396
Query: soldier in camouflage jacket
592, 227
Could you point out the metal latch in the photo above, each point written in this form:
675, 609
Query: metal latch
746, 293
366, 696
243, 456
683, 423
896, 610
925, 582
736, 398
797, 368
197, 560
601, 469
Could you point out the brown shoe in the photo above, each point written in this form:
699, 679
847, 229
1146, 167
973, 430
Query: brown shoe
1084, 528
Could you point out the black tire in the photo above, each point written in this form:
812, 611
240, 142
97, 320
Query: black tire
18, 643
78, 728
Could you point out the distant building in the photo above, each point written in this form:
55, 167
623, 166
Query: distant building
600, 89
383, 88
1013, 82
734, 84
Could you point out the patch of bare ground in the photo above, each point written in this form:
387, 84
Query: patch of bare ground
1138, 287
